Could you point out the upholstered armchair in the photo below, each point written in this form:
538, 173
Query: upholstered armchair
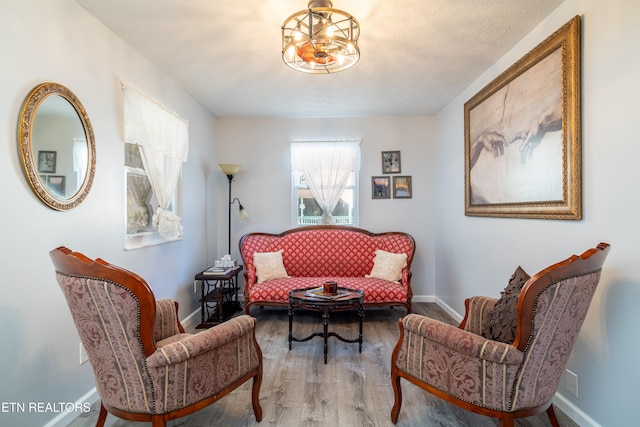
469, 367
146, 367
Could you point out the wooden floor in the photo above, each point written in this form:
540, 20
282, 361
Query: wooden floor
352, 389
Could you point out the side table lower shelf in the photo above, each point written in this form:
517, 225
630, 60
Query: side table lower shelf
218, 297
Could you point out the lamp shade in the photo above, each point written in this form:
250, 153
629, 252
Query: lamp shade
229, 168
243, 212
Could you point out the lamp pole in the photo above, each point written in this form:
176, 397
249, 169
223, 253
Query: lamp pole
230, 170
230, 178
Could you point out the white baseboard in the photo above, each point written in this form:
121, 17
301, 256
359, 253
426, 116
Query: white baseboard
64, 418
450, 311
191, 320
572, 411
423, 298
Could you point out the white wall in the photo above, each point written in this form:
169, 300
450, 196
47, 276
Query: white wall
59, 41
264, 182
477, 255
456, 256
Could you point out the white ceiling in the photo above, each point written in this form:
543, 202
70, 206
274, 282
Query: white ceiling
416, 55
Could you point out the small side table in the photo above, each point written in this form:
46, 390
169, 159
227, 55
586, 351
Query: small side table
218, 297
347, 299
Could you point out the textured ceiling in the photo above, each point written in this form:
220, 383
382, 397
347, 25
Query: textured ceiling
416, 55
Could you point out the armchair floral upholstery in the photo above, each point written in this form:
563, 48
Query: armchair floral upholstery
146, 367
501, 380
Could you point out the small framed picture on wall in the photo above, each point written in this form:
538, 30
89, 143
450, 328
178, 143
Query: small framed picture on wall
391, 162
402, 187
380, 187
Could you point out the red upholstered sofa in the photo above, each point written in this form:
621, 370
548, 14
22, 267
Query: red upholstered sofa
315, 254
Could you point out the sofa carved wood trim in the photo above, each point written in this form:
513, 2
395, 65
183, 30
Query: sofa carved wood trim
314, 254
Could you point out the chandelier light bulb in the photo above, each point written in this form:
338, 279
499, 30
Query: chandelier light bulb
330, 32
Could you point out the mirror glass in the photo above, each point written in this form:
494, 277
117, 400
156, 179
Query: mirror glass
57, 146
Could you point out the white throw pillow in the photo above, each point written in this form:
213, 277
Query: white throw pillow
388, 266
269, 265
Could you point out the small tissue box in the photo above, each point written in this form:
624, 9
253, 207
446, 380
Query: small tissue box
225, 263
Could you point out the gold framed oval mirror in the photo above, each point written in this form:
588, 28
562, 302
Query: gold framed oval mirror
57, 146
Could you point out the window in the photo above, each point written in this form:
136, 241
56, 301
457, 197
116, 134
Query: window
309, 212
141, 202
156, 145
325, 178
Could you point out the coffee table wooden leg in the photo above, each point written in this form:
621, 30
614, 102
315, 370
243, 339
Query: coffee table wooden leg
361, 318
290, 325
325, 331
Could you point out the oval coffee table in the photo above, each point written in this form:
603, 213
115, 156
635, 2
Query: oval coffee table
345, 299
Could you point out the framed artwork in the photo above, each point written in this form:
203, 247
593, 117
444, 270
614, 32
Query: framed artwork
56, 184
391, 162
402, 187
47, 161
380, 187
523, 146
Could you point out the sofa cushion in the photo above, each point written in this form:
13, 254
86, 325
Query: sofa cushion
388, 266
269, 266
502, 319
375, 290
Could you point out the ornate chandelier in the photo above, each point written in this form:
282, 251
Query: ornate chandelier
320, 39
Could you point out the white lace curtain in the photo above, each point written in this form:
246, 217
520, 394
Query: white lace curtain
163, 138
326, 167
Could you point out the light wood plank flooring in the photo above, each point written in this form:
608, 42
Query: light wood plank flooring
352, 389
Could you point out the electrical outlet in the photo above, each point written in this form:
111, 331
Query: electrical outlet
572, 383
84, 357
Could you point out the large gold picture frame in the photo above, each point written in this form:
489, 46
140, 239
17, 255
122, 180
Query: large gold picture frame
523, 141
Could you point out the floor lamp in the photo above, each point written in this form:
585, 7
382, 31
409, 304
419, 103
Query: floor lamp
230, 170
